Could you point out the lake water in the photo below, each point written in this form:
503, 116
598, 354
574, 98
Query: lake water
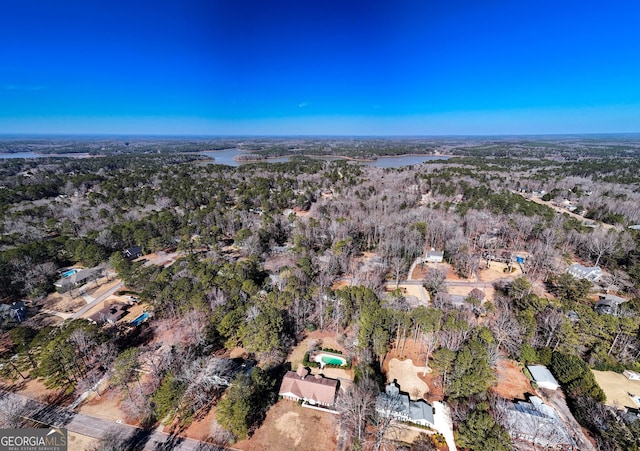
5, 156
404, 160
21, 155
226, 157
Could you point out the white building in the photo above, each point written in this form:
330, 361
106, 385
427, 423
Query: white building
433, 256
543, 377
582, 272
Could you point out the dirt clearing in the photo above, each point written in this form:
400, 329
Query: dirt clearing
79, 441
405, 373
496, 271
512, 383
289, 426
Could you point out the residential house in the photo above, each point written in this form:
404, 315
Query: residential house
79, 278
396, 404
537, 423
110, 314
133, 252
609, 304
302, 386
582, 272
16, 311
543, 377
433, 256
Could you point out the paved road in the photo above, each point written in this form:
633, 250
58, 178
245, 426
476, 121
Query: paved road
140, 439
448, 283
97, 300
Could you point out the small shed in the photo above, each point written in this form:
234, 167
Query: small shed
543, 377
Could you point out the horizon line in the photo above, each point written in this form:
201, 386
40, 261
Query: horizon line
263, 135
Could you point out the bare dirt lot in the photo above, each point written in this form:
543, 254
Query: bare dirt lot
489, 292
81, 442
64, 303
496, 271
106, 406
405, 373
33, 388
412, 352
416, 294
512, 382
617, 388
420, 271
201, 428
289, 426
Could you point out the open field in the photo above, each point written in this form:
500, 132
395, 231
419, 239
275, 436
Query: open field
289, 426
617, 388
496, 271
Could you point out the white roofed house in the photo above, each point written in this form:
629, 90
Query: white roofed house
579, 271
543, 377
433, 256
536, 423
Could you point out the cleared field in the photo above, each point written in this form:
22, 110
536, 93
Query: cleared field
405, 373
289, 426
617, 388
496, 271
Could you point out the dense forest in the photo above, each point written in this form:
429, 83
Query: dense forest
269, 252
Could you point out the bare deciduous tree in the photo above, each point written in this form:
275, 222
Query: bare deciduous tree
356, 405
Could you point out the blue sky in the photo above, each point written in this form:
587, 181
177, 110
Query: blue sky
320, 67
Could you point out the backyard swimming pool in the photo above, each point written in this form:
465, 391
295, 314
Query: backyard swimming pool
327, 359
139, 319
69, 272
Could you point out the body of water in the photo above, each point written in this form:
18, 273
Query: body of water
4, 156
404, 160
226, 157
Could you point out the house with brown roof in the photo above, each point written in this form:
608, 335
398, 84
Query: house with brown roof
110, 314
300, 385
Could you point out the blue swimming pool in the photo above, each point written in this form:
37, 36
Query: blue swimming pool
69, 272
140, 319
